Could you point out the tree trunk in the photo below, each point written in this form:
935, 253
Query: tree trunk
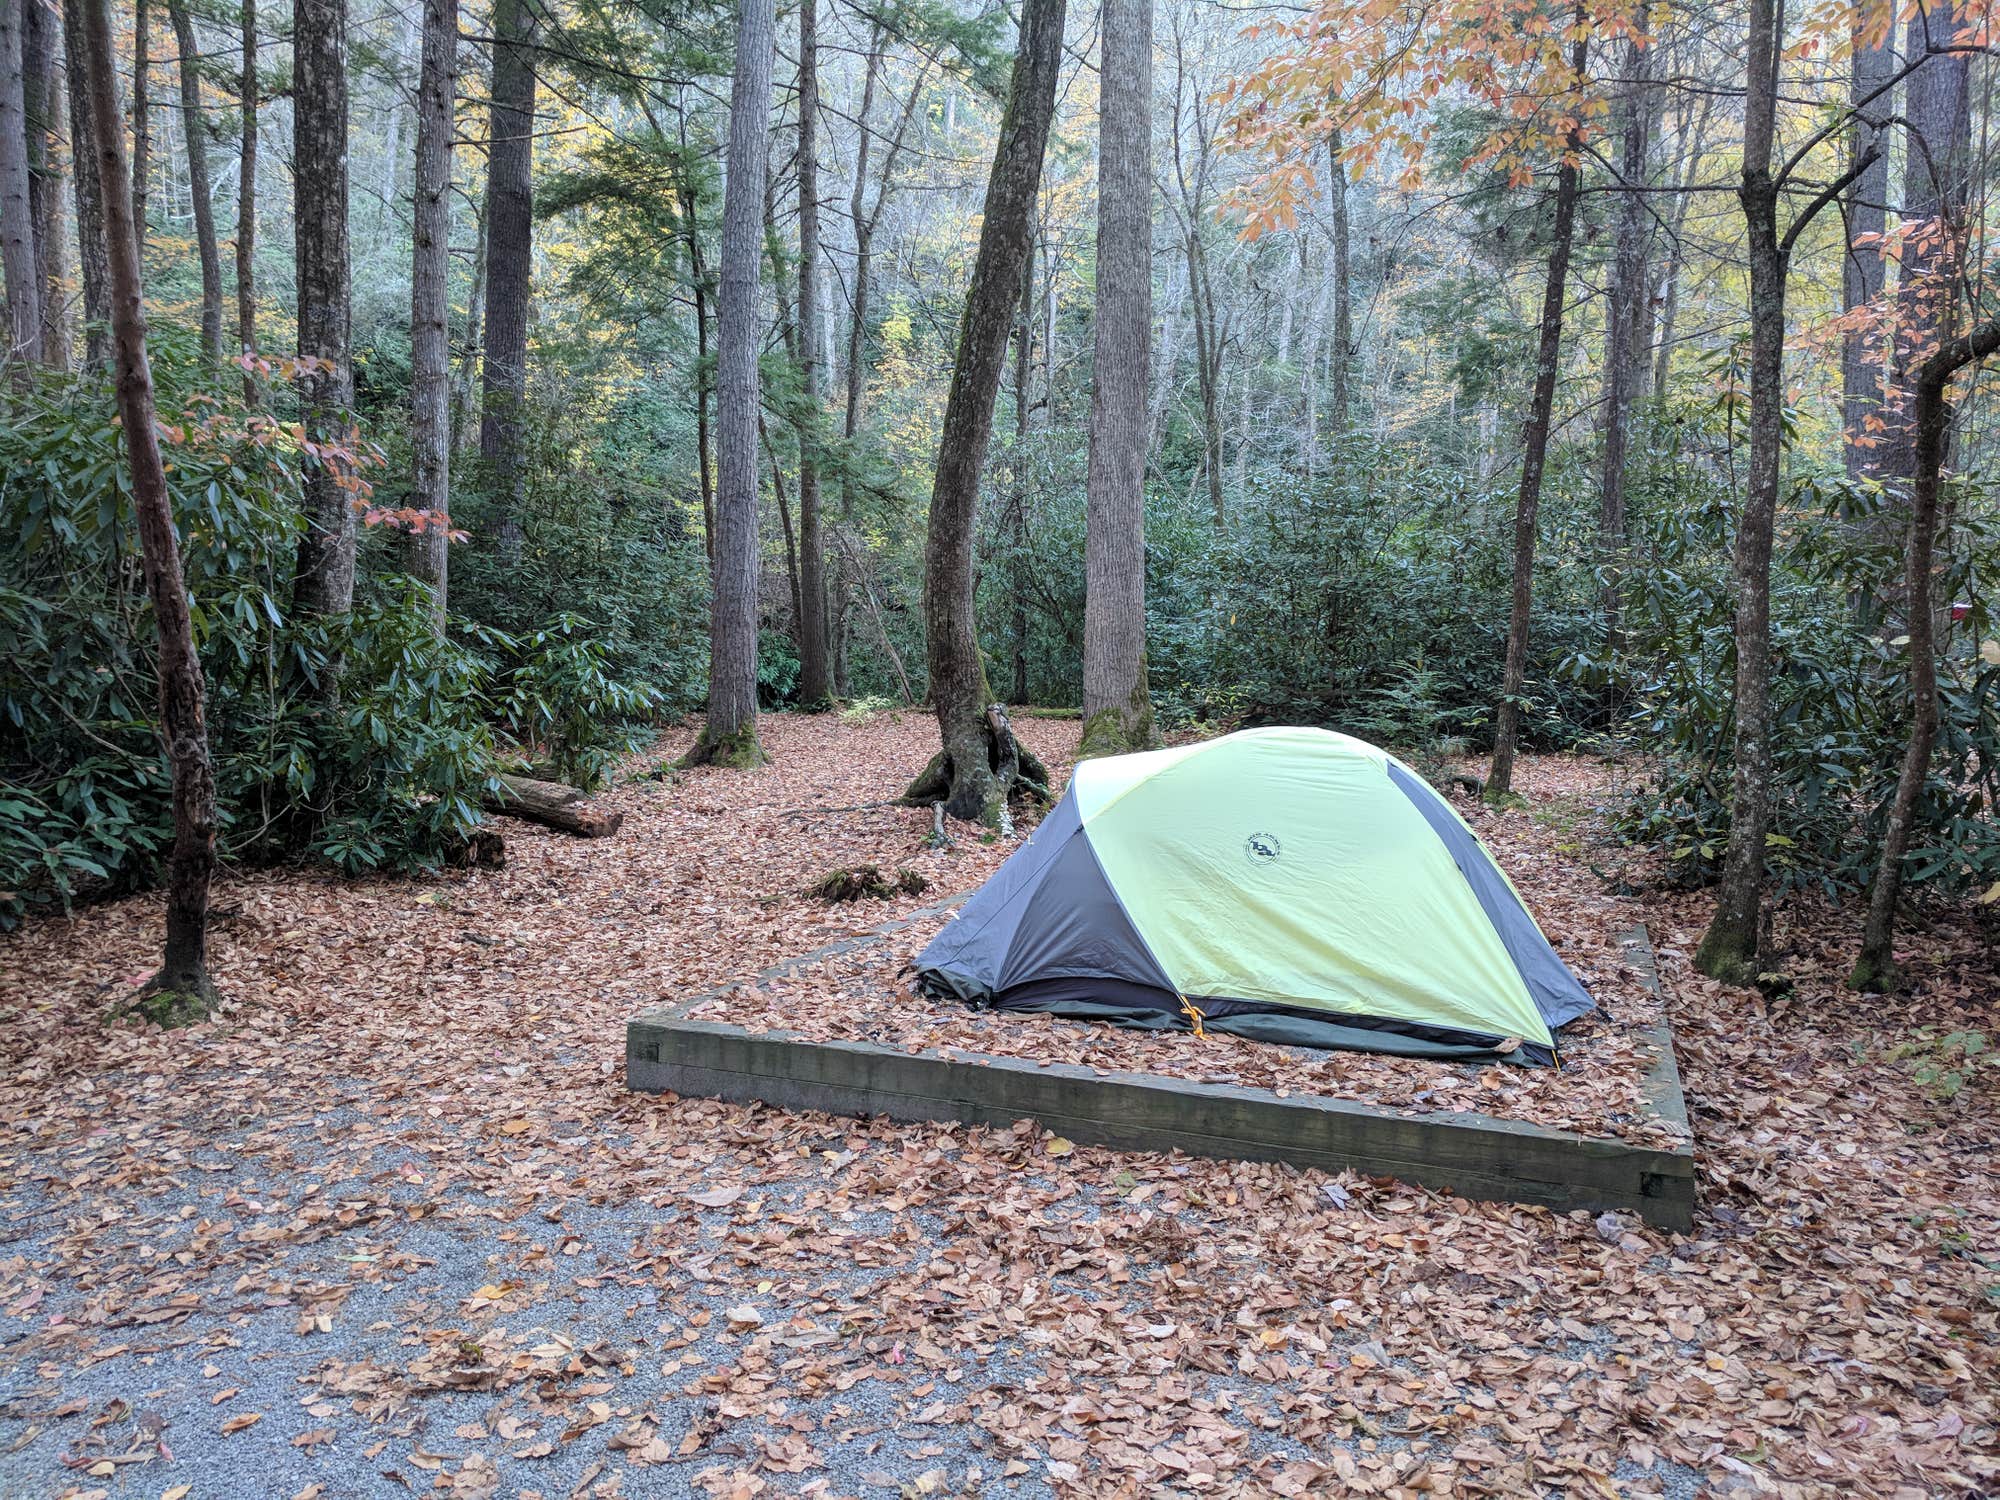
195, 131
815, 683
323, 578
510, 233
142, 135
1863, 265
248, 97
552, 804
957, 674
430, 302
1936, 189
92, 256
1692, 139
181, 991
1208, 367
729, 736
857, 323
17, 240
1534, 456
465, 389
1343, 295
1626, 322
1732, 948
1117, 705
1024, 363
1876, 969
704, 374
43, 106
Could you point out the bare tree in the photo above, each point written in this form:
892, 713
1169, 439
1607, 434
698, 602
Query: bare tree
1876, 968
42, 78
1627, 321
729, 734
430, 302
194, 132
1534, 458
142, 131
815, 683
17, 241
248, 96
323, 577
976, 742
182, 990
1117, 705
510, 235
89, 193
1863, 265
1733, 947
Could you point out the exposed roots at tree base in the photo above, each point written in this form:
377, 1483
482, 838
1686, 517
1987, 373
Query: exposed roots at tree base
867, 882
1017, 773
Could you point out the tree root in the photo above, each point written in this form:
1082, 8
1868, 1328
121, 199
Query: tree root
1017, 772
867, 882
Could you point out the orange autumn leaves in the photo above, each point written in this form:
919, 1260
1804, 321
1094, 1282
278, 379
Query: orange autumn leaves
1361, 82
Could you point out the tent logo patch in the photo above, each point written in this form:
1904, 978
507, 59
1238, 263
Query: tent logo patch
1262, 848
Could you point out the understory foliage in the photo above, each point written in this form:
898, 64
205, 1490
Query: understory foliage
391, 780
1840, 690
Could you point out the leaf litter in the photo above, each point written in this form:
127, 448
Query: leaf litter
396, 1206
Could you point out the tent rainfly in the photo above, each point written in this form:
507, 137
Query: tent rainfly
1289, 885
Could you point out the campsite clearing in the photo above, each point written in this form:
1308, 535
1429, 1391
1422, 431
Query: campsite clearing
400, 1201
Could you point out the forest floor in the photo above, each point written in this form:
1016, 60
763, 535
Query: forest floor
393, 1224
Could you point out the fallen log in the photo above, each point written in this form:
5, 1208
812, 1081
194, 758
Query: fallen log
554, 805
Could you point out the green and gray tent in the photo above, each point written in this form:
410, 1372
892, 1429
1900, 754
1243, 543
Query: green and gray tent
1291, 885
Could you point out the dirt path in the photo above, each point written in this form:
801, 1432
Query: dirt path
394, 1225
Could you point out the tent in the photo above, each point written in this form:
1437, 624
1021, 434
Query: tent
1290, 885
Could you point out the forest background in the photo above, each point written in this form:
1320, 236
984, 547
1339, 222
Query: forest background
1519, 375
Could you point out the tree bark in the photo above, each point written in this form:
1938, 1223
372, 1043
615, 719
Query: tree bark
182, 990
1936, 190
430, 303
1117, 705
1626, 323
323, 577
729, 736
1343, 295
554, 805
957, 674
1863, 266
1732, 948
1875, 969
92, 256
194, 130
704, 373
43, 107
248, 97
815, 683
464, 438
510, 232
142, 133
17, 240
1534, 457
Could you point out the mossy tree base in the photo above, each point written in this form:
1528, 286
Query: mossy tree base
1725, 956
1113, 731
737, 750
1875, 974
172, 1001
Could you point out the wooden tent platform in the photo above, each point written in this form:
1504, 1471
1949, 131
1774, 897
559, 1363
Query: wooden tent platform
1473, 1155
